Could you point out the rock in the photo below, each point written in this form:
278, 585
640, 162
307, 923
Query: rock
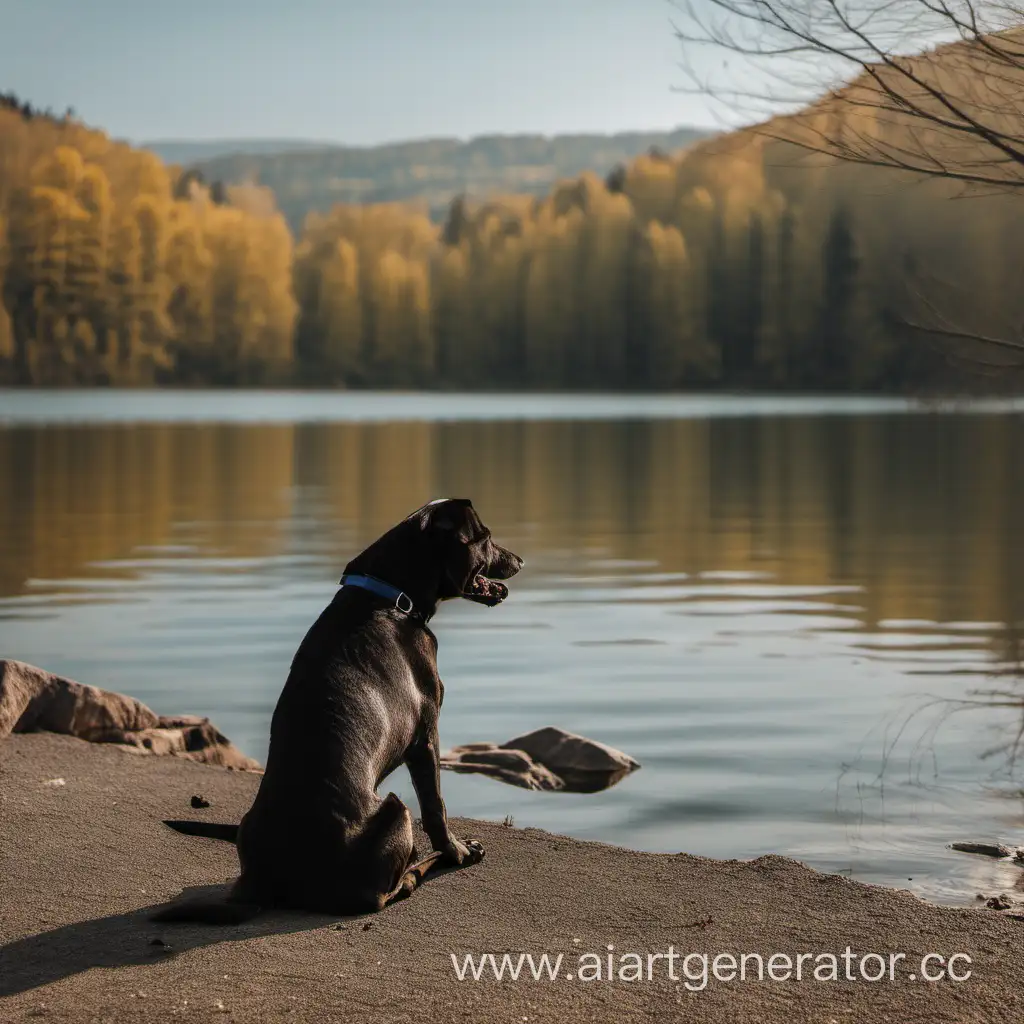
512, 766
989, 850
559, 751
33, 700
546, 759
1000, 902
199, 802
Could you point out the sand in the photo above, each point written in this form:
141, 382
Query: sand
82, 862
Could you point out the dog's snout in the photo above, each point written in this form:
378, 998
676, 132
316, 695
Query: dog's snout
504, 564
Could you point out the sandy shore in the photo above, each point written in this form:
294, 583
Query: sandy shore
80, 863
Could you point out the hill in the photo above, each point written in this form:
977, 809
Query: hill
429, 171
188, 151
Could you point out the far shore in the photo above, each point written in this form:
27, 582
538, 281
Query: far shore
84, 857
287, 406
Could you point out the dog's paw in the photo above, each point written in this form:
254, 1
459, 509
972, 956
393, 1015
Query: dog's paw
462, 854
475, 850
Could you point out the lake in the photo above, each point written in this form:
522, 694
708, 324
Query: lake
801, 615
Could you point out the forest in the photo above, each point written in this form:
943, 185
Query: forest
735, 263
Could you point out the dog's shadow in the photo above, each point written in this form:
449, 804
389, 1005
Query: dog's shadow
132, 939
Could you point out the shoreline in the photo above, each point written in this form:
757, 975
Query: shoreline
26, 406
86, 858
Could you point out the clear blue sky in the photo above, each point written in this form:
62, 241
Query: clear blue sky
348, 71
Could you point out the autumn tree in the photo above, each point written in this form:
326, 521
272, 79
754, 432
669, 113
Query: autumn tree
108, 276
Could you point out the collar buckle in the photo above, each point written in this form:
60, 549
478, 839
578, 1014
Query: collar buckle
403, 602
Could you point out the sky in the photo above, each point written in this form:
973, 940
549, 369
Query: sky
349, 72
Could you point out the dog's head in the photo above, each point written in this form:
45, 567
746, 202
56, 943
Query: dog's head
471, 563
439, 552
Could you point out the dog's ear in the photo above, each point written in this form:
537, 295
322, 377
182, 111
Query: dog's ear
450, 516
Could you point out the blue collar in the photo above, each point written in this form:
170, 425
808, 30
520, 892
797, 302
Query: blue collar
403, 602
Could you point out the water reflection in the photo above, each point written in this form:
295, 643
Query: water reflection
751, 606
922, 512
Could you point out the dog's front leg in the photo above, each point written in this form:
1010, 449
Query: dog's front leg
424, 767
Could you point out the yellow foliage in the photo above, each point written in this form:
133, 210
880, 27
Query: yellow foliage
732, 262
110, 278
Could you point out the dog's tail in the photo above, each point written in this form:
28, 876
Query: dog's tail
206, 829
208, 910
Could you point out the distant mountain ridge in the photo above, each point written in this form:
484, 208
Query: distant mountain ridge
187, 151
310, 176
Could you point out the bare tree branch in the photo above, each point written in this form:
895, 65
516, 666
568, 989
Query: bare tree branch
932, 87
960, 335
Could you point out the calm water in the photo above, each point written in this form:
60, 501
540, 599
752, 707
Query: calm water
790, 611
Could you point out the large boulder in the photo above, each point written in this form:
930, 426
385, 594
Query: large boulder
545, 759
33, 700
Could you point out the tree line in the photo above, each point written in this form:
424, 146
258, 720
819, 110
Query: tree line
731, 264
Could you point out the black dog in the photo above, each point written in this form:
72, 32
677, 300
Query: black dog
362, 697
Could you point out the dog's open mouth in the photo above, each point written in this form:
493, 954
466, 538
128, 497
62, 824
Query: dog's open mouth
485, 591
